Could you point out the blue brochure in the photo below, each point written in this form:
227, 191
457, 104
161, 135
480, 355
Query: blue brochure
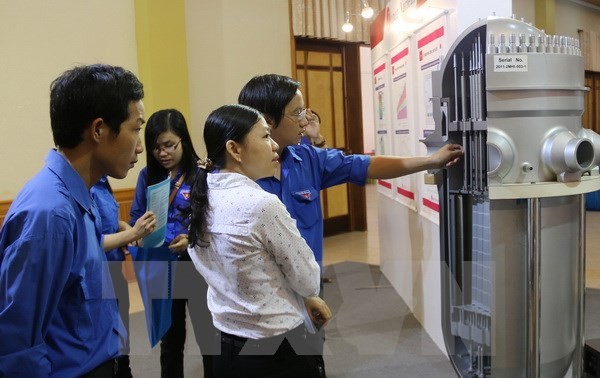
155, 274
157, 197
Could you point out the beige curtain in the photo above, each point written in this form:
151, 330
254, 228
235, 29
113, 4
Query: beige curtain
324, 18
590, 49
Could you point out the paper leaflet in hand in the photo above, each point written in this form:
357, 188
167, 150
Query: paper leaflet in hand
308, 323
157, 197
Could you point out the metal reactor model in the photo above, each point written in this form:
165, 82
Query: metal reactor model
512, 213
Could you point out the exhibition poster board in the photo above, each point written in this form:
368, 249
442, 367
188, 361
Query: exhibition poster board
431, 41
403, 117
383, 142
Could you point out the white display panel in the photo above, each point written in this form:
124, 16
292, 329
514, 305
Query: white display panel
431, 41
408, 40
383, 142
403, 120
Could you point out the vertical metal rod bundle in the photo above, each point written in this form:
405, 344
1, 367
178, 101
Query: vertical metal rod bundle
534, 274
463, 89
480, 73
579, 337
472, 91
455, 66
485, 162
463, 118
476, 97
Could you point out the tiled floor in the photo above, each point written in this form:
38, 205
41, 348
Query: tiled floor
356, 246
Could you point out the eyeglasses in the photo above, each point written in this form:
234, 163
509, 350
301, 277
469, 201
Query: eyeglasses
168, 148
297, 116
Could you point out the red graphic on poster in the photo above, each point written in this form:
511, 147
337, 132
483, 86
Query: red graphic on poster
378, 27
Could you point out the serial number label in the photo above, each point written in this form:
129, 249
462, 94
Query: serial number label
510, 63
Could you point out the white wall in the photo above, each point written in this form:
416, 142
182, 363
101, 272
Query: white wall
524, 9
572, 15
469, 11
229, 42
38, 41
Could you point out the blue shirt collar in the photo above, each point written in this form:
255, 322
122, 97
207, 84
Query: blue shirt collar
292, 151
59, 165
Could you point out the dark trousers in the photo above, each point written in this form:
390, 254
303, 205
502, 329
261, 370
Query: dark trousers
122, 294
107, 369
189, 289
285, 356
316, 344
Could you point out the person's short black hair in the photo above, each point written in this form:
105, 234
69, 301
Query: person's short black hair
269, 94
84, 93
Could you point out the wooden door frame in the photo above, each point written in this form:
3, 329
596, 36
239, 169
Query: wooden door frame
357, 219
591, 114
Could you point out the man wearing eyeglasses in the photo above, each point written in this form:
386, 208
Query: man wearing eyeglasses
306, 170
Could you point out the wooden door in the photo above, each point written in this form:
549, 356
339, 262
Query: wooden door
330, 75
591, 114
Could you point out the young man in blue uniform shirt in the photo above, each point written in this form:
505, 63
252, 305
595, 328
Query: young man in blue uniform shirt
306, 170
58, 315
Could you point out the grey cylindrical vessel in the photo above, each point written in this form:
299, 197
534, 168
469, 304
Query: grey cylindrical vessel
560, 223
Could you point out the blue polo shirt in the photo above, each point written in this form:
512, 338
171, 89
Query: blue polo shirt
109, 215
58, 315
305, 171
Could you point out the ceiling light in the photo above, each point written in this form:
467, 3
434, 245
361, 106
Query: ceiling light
347, 27
367, 11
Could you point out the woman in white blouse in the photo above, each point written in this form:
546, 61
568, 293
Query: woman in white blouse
263, 278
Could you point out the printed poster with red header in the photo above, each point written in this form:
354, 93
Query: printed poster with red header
431, 46
383, 143
402, 112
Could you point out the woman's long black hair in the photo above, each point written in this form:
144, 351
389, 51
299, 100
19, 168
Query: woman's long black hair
163, 121
229, 122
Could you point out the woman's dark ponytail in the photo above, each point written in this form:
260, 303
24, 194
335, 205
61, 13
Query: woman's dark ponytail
198, 209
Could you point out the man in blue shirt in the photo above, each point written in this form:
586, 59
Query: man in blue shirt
306, 170
58, 314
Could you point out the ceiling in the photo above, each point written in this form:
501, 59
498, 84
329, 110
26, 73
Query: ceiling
593, 2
